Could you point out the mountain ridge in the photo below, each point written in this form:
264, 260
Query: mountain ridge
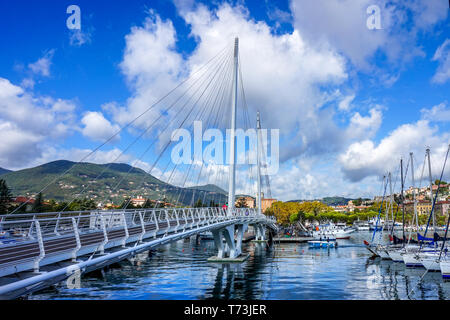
110, 182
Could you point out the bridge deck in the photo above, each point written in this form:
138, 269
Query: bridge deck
52, 238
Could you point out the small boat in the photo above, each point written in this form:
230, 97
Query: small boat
396, 254
445, 268
332, 231
361, 225
430, 261
412, 260
322, 244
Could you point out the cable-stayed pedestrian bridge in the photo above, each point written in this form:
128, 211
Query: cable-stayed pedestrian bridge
50, 247
41, 249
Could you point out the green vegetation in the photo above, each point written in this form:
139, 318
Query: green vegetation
291, 212
102, 183
5, 197
3, 171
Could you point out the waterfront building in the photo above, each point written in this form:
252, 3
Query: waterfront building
139, 201
250, 202
266, 203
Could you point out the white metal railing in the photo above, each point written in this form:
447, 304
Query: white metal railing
24, 227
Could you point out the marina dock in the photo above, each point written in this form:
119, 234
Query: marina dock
292, 239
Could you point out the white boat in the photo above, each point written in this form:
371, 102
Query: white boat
412, 260
332, 231
396, 254
382, 252
430, 261
445, 268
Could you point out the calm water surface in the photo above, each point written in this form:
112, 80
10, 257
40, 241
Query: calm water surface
285, 271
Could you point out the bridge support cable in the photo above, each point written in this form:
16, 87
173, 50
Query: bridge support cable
171, 121
215, 106
129, 124
180, 126
137, 138
215, 125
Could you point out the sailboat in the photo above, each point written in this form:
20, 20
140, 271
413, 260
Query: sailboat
377, 249
397, 252
426, 256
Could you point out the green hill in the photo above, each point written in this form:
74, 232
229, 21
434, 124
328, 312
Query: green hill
100, 182
329, 201
210, 188
3, 171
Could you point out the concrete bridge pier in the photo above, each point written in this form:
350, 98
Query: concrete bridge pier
231, 250
260, 235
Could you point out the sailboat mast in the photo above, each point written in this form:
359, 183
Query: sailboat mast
431, 187
414, 192
390, 201
403, 202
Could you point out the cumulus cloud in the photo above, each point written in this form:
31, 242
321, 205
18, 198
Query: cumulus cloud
97, 127
366, 127
366, 158
342, 23
281, 72
442, 55
114, 155
438, 113
28, 122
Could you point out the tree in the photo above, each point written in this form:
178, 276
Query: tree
38, 205
147, 204
198, 204
127, 204
5, 197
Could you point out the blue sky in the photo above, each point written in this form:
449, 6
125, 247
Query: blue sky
349, 101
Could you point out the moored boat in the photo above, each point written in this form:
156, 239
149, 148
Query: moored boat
445, 268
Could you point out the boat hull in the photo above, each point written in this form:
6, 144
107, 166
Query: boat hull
411, 260
445, 269
396, 255
431, 264
383, 254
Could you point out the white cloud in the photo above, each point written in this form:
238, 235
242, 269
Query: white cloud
345, 103
365, 158
342, 23
28, 122
42, 66
366, 127
442, 55
52, 153
280, 72
98, 128
438, 113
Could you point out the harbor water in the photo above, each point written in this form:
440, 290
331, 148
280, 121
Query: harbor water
286, 271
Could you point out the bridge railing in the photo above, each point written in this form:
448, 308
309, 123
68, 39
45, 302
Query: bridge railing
31, 226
